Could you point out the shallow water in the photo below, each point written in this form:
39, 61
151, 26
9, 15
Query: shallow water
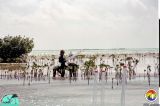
62, 93
79, 93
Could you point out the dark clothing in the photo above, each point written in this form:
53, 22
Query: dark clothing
62, 60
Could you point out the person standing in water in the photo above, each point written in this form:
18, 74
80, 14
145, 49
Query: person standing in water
62, 61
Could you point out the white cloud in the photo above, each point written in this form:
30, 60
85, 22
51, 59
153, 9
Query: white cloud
82, 23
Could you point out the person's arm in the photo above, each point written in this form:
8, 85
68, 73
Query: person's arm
60, 59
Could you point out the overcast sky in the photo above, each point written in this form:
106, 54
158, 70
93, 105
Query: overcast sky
79, 24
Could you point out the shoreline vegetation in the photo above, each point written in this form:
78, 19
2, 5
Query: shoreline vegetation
41, 67
18, 61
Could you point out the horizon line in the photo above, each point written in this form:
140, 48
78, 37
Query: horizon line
92, 49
